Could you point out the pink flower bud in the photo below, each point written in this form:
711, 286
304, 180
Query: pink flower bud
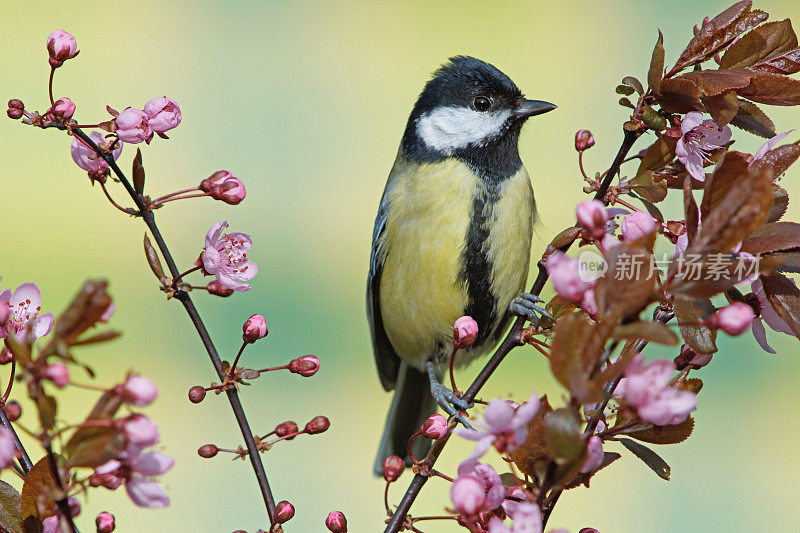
286, 428
690, 357
734, 319
583, 140
215, 180
637, 225
566, 277
162, 113
465, 331
64, 108
105, 522
336, 522
139, 391
594, 455
58, 374
132, 126
435, 427
61, 46
592, 215
14, 113
207, 451
231, 191
318, 424
468, 495
254, 328
305, 366
218, 289
393, 467
284, 511
140, 431
13, 410
86, 158
197, 394
16, 103
8, 449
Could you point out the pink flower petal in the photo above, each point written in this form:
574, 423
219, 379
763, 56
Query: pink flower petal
153, 464
214, 233
146, 493
43, 325
25, 292
211, 260
761, 335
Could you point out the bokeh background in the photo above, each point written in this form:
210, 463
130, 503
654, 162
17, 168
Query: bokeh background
306, 102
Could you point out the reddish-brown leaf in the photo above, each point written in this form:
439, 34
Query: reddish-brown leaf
656, 70
784, 297
659, 154
665, 434
690, 210
629, 284
768, 40
786, 63
650, 331
690, 315
779, 204
730, 170
38, 490
680, 95
772, 237
647, 187
779, 159
714, 82
772, 89
722, 107
751, 118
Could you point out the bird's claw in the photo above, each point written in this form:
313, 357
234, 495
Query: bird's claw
448, 400
525, 306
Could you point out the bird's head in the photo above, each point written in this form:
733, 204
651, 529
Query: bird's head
469, 104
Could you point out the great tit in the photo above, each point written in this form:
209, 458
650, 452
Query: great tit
452, 237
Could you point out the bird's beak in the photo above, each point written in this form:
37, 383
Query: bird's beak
530, 108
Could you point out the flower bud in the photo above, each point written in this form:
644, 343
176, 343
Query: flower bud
139, 391
336, 522
583, 140
105, 522
61, 46
57, 373
162, 113
637, 225
565, 273
140, 431
284, 511
215, 180
465, 331
207, 451
13, 410
231, 191
318, 424
305, 366
689, 357
393, 467
197, 394
435, 427
286, 428
132, 126
86, 158
64, 108
592, 215
468, 495
14, 113
588, 530
734, 319
74, 506
218, 289
16, 103
254, 328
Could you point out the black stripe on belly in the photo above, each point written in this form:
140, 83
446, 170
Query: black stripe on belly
477, 270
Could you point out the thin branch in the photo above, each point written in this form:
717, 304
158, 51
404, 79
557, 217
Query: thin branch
24, 460
511, 341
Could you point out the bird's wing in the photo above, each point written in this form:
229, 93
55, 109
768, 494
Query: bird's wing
386, 360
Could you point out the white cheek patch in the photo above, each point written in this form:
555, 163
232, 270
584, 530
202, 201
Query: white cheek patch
449, 128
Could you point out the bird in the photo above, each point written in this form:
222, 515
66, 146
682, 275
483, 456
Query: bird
452, 237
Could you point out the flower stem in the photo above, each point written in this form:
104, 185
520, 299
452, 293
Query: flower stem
180, 276
23, 459
115, 204
452, 362
235, 361
50, 86
10, 382
176, 193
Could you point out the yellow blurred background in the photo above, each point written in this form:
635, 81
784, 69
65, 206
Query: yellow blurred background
306, 102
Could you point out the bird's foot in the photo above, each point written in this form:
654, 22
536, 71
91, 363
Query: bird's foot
447, 399
525, 306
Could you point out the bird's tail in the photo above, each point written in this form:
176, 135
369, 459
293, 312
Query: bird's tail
411, 406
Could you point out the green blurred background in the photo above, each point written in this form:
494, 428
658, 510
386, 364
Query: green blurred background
306, 102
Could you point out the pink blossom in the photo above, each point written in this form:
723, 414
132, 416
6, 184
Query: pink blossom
768, 316
8, 448
254, 328
61, 46
53, 524
588, 303
565, 273
136, 472
141, 433
594, 455
163, 114
231, 191
503, 426
64, 108
526, 517
646, 387
215, 180
57, 373
733, 319
465, 331
767, 146
225, 256
105, 522
592, 216
637, 225
132, 126
435, 427
24, 305
699, 137
306, 366
478, 488
139, 391
87, 158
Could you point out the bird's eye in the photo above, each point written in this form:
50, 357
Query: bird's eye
482, 103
